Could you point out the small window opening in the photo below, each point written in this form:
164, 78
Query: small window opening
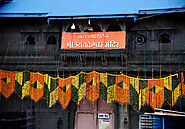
52, 40
73, 28
30, 40
164, 38
114, 27
93, 28
140, 39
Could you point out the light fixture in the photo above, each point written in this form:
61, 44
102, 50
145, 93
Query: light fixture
73, 26
89, 27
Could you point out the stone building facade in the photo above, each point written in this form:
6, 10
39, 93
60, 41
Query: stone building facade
154, 48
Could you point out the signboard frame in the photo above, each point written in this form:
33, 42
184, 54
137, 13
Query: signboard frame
93, 40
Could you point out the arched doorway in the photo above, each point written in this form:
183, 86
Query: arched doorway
94, 115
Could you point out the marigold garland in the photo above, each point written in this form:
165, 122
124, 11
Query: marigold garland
110, 87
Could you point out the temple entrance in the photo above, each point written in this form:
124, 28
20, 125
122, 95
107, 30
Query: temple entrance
97, 115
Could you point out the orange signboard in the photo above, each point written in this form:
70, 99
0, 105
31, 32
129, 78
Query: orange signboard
93, 40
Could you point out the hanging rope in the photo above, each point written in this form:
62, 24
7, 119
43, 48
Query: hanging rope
21, 46
126, 68
6, 54
152, 82
26, 57
3, 65
12, 54
49, 70
160, 65
145, 72
115, 79
170, 72
44, 61
179, 67
36, 52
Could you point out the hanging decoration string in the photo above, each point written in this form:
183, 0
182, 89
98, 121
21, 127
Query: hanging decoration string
7, 49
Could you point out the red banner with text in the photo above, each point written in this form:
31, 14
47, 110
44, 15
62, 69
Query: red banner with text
93, 40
